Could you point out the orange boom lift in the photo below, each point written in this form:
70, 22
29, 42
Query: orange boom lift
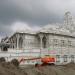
47, 60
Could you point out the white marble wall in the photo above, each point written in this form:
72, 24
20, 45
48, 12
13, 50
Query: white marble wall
67, 47
54, 42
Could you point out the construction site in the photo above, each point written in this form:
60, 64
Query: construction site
13, 68
18, 63
37, 37
49, 51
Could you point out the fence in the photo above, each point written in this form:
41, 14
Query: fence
22, 54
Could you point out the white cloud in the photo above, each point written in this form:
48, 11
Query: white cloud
21, 26
36, 28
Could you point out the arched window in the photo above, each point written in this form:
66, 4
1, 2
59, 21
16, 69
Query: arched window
20, 43
44, 42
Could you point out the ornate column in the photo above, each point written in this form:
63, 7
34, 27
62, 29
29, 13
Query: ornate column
17, 36
23, 41
41, 46
15, 39
47, 41
41, 37
11, 43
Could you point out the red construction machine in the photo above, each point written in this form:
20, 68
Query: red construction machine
46, 60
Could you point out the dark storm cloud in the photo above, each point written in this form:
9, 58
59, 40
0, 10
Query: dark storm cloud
33, 12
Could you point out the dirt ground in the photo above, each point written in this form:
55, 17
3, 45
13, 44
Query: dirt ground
68, 69
10, 69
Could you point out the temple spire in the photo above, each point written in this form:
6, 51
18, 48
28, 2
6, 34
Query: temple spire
68, 18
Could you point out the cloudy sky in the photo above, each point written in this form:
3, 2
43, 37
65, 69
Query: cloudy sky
32, 14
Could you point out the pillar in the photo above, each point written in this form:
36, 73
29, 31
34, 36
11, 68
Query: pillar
41, 37
23, 41
17, 36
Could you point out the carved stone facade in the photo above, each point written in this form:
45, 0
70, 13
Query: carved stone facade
60, 38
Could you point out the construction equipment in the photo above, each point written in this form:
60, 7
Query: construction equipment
46, 60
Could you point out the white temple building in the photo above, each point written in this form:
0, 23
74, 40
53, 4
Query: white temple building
56, 39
